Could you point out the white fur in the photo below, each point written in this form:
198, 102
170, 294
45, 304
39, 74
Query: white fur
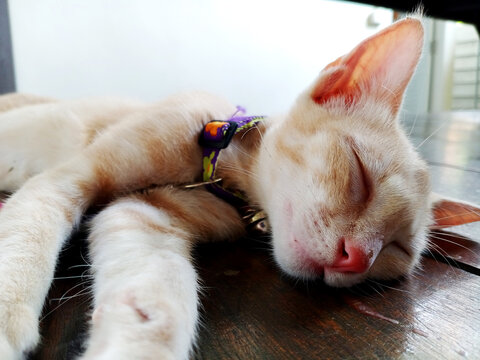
38, 218
28, 256
38, 137
145, 286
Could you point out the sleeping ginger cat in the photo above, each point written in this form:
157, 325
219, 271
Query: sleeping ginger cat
347, 196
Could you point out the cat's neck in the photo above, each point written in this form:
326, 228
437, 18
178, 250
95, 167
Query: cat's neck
238, 163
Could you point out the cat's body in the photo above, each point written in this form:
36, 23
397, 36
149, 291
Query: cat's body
196, 212
346, 195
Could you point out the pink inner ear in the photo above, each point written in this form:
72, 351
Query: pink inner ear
334, 85
448, 213
380, 67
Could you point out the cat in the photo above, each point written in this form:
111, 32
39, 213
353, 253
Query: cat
347, 196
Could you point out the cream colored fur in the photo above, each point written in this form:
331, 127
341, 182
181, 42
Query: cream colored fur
56, 198
337, 166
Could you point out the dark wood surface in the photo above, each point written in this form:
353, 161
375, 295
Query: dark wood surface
254, 313
251, 311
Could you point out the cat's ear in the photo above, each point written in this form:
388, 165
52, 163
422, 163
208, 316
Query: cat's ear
449, 212
379, 67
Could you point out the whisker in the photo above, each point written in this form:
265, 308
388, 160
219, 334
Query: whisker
72, 277
74, 287
388, 287
428, 137
455, 243
55, 308
389, 90
452, 263
79, 293
260, 133
442, 233
374, 288
439, 251
239, 170
243, 152
81, 265
462, 214
413, 126
84, 260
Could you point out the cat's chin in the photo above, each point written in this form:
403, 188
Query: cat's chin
301, 264
393, 262
330, 277
338, 279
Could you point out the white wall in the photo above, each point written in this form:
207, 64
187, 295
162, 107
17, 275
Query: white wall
417, 95
442, 71
258, 53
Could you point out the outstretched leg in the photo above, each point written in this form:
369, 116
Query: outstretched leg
145, 284
36, 220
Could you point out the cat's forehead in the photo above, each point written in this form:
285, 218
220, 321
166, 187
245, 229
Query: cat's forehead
324, 137
330, 154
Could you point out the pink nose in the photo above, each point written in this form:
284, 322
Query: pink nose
352, 258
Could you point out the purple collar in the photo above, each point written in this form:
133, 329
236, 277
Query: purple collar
216, 135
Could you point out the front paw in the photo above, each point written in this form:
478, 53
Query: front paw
127, 353
133, 329
18, 330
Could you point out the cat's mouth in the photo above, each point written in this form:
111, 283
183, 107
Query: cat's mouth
350, 260
346, 261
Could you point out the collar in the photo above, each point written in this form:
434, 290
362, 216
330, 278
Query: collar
216, 135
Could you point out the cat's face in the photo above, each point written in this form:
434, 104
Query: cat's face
346, 193
347, 196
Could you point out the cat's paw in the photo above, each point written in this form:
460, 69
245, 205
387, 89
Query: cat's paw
6, 350
130, 329
119, 354
18, 330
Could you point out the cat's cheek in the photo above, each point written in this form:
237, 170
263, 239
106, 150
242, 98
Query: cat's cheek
293, 258
287, 256
393, 262
282, 252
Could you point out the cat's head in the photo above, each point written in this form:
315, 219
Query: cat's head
346, 193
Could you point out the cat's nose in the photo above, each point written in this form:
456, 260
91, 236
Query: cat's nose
353, 258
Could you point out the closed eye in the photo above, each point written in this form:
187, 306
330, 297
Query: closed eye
361, 183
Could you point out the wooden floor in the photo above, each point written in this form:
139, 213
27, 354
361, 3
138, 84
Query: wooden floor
251, 311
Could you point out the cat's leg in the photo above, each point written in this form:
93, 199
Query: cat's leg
34, 224
37, 219
145, 285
